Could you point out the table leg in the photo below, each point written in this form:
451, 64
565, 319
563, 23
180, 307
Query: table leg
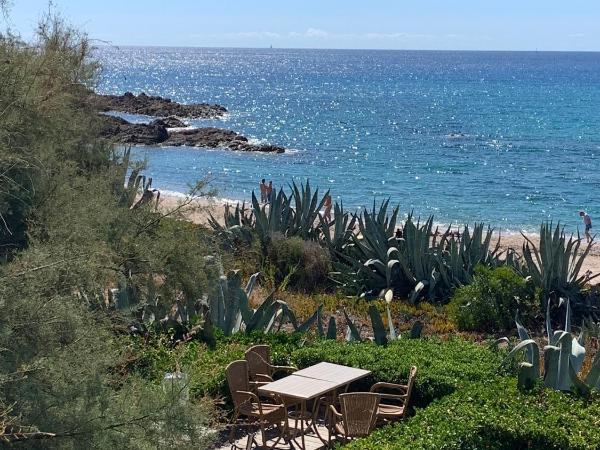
315, 413
302, 423
302, 419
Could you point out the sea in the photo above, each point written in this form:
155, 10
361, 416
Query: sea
511, 139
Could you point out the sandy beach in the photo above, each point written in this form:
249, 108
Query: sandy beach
199, 210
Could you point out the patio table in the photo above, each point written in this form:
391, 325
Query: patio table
311, 384
333, 372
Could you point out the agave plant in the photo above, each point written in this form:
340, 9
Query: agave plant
127, 188
241, 216
370, 255
277, 219
555, 264
380, 335
417, 257
338, 232
307, 205
228, 304
237, 224
563, 358
457, 258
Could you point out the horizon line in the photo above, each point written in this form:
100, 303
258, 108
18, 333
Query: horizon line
107, 44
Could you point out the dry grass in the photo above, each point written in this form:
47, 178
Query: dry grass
403, 313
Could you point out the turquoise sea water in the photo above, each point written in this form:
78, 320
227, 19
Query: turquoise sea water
509, 138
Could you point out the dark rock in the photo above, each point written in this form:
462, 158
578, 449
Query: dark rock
264, 148
154, 106
204, 137
120, 130
170, 122
155, 133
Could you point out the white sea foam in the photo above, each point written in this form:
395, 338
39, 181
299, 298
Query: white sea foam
256, 141
216, 200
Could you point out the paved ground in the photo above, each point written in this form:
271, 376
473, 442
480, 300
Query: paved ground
312, 442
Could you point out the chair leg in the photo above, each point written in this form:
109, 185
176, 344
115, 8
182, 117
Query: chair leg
263, 434
232, 432
279, 438
249, 441
330, 426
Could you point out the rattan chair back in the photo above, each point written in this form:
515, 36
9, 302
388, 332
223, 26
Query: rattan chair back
237, 379
359, 412
259, 361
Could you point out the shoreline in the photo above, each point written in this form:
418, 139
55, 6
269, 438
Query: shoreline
201, 207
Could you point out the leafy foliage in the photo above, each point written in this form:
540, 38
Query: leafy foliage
444, 366
495, 415
303, 265
71, 238
205, 365
492, 300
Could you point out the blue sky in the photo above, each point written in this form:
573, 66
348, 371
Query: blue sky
400, 24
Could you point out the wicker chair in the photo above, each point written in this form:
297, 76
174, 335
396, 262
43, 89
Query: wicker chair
357, 418
393, 406
259, 364
248, 405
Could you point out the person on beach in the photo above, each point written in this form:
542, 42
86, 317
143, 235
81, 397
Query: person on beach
270, 192
263, 191
327, 205
587, 221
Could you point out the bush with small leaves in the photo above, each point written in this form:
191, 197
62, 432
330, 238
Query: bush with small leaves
491, 301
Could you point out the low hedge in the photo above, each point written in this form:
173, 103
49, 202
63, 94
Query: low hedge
495, 415
444, 365
204, 365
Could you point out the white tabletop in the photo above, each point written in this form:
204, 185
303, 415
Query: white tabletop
333, 372
314, 381
298, 387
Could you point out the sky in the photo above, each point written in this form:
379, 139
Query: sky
374, 24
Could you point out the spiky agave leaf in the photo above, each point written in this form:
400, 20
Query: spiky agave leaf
352, 333
527, 375
415, 330
532, 352
378, 327
331, 329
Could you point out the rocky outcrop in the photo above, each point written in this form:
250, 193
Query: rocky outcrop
205, 137
156, 133
133, 133
155, 106
210, 137
170, 122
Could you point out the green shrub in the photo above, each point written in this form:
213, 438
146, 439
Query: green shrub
305, 264
444, 366
491, 301
494, 415
205, 366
